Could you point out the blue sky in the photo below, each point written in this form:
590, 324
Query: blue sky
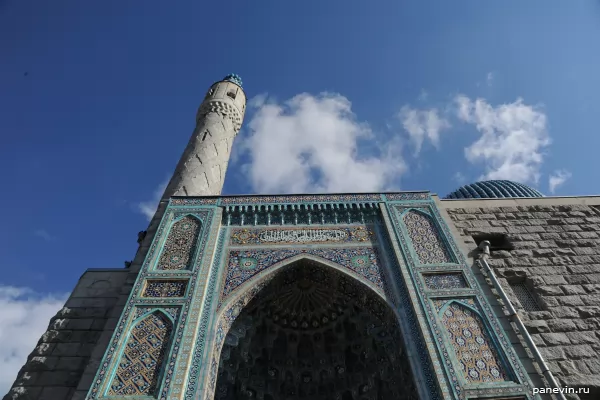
97, 101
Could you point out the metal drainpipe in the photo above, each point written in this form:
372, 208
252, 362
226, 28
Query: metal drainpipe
484, 246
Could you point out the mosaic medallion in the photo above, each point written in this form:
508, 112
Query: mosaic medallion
180, 245
248, 263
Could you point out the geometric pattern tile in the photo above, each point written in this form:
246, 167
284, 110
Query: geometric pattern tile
244, 264
142, 359
180, 245
426, 240
473, 348
165, 288
445, 281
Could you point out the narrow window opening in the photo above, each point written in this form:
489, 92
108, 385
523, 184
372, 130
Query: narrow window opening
231, 93
498, 241
525, 296
211, 91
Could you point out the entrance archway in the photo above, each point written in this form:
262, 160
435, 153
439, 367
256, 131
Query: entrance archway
315, 333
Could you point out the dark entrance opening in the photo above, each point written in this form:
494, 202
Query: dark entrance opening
314, 333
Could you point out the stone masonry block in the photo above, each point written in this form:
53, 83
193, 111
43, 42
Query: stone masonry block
71, 363
554, 339
66, 349
579, 352
555, 280
59, 378
56, 393
552, 353
582, 337
570, 301
537, 326
41, 363
44, 349
80, 324
566, 312
23, 393
561, 325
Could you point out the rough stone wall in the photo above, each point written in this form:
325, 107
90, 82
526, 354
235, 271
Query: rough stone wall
556, 251
54, 368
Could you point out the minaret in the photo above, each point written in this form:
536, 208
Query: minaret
202, 167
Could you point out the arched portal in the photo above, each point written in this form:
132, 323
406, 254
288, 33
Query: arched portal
313, 332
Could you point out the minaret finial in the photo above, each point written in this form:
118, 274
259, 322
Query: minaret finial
235, 78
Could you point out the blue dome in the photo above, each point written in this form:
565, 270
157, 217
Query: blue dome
493, 190
234, 78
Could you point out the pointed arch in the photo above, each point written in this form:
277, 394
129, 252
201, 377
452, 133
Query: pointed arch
355, 287
427, 241
475, 350
180, 247
143, 355
228, 297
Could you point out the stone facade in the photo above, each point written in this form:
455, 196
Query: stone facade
553, 250
55, 367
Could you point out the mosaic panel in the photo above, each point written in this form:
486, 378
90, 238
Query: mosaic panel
261, 236
407, 196
300, 199
180, 246
425, 238
244, 264
190, 309
190, 201
431, 314
477, 356
165, 288
143, 357
445, 281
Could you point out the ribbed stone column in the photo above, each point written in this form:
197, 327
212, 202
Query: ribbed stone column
202, 167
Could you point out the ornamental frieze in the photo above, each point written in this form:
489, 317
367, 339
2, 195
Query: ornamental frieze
295, 235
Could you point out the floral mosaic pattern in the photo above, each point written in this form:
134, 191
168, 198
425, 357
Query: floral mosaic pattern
180, 245
474, 351
300, 199
407, 196
425, 238
191, 201
445, 281
143, 356
261, 236
165, 288
244, 264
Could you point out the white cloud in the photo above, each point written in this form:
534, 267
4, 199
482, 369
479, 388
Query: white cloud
459, 178
24, 317
421, 124
148, 208
513, 138
42, 233
558, 178
315, 144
